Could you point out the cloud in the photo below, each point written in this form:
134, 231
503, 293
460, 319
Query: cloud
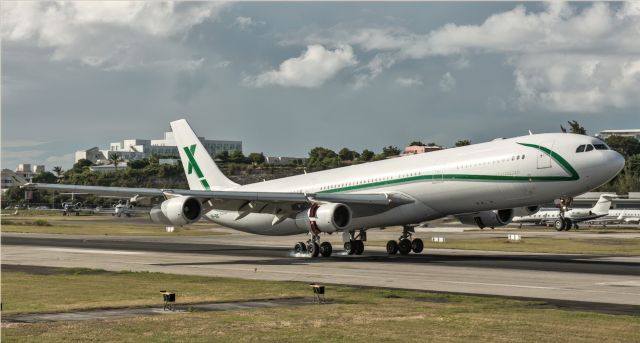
21, 143
577, 83
602, 39
447, 83
246, 23
311, 69
23, 154
409, 81
105, 34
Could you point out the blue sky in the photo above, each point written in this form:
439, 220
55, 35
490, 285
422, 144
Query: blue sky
286, 77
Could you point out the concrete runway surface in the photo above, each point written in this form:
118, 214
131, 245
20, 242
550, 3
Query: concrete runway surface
586, 279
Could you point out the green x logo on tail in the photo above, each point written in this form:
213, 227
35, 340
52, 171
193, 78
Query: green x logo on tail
193, 165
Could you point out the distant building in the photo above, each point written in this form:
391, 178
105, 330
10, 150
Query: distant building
24, 170
604, 134
135, 149
278, 160
420, 149
107, 168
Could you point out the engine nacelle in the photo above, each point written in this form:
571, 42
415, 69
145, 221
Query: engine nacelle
487, 218
330, 217
525, 211
177, 211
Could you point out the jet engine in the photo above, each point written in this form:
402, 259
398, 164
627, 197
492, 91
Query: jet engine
525, 211
329, 217
177, 211
487, 218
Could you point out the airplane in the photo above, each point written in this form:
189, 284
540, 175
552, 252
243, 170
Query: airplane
619, 216
570, 218
482, 184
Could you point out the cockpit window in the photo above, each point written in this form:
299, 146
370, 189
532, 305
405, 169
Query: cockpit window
589, 147
580, 148
601, 147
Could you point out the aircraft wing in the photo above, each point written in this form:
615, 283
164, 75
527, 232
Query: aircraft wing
243, 201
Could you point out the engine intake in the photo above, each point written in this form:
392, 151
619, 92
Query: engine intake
177, 211
330, 217
488, 218
525, 211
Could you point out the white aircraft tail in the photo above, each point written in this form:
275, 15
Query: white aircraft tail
202, 172
603, 204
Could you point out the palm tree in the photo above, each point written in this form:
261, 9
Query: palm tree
57, 170
115, 159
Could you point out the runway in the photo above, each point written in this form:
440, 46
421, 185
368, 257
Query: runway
561, 277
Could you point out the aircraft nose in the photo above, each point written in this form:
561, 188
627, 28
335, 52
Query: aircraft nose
617, 160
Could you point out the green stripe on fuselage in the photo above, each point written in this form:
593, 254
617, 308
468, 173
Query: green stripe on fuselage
472, 177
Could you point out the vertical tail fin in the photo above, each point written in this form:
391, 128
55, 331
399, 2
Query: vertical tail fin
603, 204
202, 171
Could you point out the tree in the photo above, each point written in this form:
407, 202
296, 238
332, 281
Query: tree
348, 155
138, 164
115, 159
627, 146
463, 142
574, 127
367, 155
390, 151
57, 170
237, 156
224, 156
45, 177
417, 143
322, 157
81, 165
257, 158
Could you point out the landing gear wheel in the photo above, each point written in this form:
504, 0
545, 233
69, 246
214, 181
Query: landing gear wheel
77, 214
392, 247
359, 247
314, 249
575, 226
350, 247
326, 249
300, 248
417, 245
567, 224
405, 246
559, 224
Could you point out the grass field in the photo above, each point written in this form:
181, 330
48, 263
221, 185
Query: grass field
355, 314
98, 225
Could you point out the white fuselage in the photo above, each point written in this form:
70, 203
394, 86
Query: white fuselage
499, 174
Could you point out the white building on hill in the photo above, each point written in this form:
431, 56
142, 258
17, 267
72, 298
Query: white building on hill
134, 149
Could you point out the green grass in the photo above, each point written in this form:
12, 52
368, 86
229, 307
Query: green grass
99, 225
355, 314
605, 246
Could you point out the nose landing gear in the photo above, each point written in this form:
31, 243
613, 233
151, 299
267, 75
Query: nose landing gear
405, 243
563, 223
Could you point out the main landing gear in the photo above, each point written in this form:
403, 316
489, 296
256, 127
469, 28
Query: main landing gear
405, 244
354, 243
313, 247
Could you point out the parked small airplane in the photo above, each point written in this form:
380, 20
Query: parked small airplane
619, 216
482, 184
565, 221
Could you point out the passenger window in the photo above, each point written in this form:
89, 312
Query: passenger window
589, 147
580, 148
600, 147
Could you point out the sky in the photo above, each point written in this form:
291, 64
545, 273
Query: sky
286, 77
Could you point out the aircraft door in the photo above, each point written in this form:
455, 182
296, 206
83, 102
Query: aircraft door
544, 159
